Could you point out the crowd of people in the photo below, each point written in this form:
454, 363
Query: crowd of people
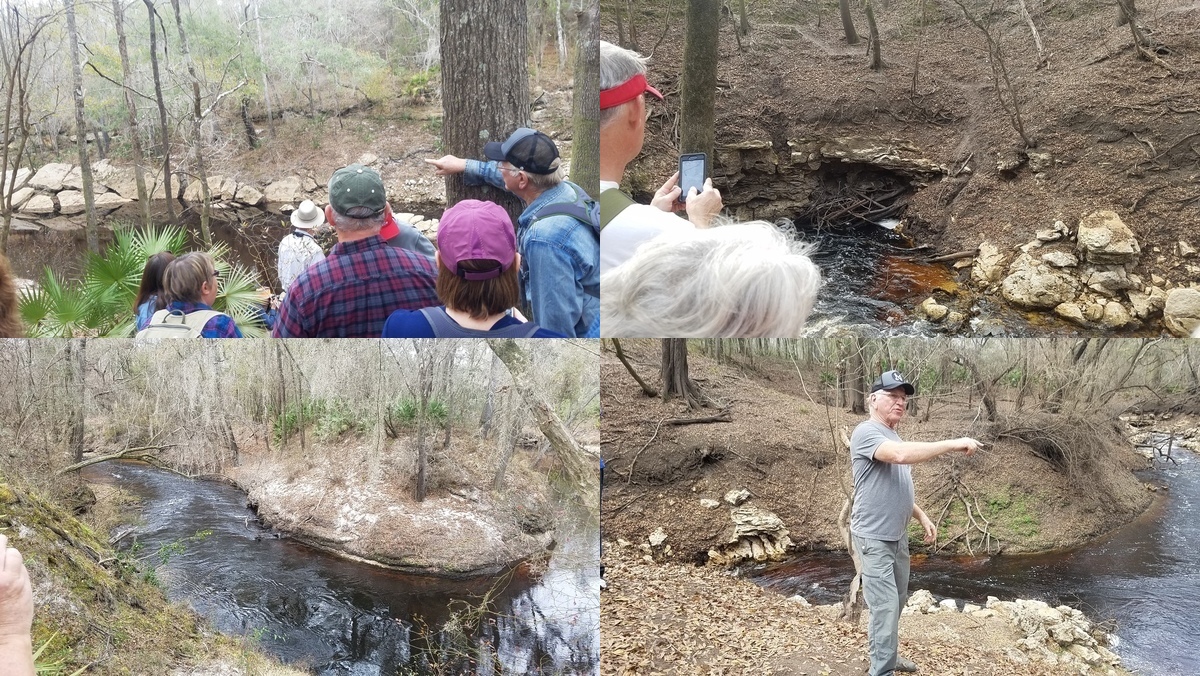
383, 278
696, 277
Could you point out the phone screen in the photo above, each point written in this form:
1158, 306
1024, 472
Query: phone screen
691, 174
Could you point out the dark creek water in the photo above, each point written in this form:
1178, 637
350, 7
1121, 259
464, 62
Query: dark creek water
335, 616
1145, 577
874, 277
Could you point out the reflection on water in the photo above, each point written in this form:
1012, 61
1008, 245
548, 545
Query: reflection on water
1146, 577
340, 617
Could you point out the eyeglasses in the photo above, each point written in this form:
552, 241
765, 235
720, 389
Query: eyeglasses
512, 169
216, 273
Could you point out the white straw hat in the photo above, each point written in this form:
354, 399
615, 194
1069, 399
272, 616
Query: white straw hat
307, 216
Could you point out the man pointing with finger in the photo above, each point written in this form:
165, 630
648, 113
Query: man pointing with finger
884, 501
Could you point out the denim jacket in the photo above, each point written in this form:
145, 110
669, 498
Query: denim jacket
560, 258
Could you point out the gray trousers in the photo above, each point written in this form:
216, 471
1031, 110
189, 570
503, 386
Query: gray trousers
885, 587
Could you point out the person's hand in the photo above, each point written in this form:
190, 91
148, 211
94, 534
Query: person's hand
968, 445
704, 205
16, 594
448, 164
667, 197
930, 530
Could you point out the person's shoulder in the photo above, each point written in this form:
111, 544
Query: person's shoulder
545, 333
864, 429
407, 324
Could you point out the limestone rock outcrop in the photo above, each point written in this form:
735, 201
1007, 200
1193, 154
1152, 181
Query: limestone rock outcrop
757, 535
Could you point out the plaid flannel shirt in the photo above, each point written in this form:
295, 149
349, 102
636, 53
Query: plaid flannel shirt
351, 293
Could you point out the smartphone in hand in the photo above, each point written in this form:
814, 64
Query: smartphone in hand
691, 174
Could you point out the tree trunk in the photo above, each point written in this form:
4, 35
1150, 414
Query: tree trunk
135, 139
262, 58
251, 135
16, 77
743, 19
507, 441
81, 132
633, 34
76, 352
1123, 17
281, 397
561, 36
197, 141
485, 89
699, 79
489, 404
621, 39
425, 357
848, 22
856, 377
675, 379
164, 130
580, 468
585, 115
876, 61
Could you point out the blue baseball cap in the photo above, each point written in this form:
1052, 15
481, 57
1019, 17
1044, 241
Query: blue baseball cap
527, 150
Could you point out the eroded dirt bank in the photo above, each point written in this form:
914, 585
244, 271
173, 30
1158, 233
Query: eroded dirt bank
807, 131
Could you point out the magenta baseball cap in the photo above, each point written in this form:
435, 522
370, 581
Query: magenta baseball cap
473, 230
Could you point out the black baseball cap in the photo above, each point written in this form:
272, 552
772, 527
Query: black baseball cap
527, 150
890, 380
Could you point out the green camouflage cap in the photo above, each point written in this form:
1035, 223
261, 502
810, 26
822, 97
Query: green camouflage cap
356, 191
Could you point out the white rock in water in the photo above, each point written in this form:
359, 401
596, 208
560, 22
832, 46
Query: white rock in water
657, 537
970, 608
889, 223
801, 600
737, 496
949, 604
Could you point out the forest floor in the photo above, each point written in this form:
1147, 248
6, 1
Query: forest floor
1120, 131
672, 618
778, 446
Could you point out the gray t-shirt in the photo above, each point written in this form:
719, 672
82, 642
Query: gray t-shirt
883, 492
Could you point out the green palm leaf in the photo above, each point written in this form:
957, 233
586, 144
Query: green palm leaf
239, 299
71, 311
155, 239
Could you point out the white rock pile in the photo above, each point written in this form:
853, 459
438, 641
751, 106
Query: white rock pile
1052, 635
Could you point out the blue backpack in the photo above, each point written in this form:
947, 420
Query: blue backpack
584, 209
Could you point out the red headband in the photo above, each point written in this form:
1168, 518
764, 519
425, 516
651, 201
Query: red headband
626, 92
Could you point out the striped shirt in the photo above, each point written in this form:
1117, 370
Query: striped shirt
351, 293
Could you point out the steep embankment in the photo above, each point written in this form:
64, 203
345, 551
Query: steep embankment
346, 499
779, 448
100, 609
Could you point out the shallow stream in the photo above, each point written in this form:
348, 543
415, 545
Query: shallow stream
336, 616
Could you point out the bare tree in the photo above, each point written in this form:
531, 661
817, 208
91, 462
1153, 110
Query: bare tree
698, 86
580, 467
876, 61
847, 22
135, 138
18, 35
164, 130
81, 131
675, 379
585, 148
